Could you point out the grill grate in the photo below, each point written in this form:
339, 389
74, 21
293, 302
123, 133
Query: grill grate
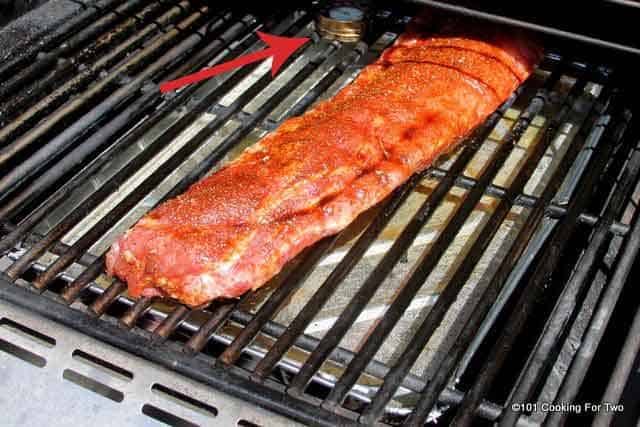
414, 311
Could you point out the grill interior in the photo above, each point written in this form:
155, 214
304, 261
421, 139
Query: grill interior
488, 279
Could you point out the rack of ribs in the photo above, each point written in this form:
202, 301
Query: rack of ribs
236, 229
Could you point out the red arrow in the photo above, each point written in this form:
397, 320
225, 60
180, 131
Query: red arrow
280, 48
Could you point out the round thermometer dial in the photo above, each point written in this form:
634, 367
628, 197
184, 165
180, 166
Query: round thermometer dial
346, 14
343, 22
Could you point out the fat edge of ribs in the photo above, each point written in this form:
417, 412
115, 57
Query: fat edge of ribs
236, 229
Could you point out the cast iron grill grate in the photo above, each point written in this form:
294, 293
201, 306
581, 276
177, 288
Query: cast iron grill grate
415, 311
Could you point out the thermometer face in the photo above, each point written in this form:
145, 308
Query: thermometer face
343, 21
346, 14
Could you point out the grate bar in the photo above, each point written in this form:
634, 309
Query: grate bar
11, 208
88, 126
48, 57
142, 106
19, 266
283, 290
66, 66
443, 370
133, 198
375, 279
631, 347
524, 305
55, 98
430, 258
538, 240
137, 310
71, 291
104, 300
170, 323
340, 356
226, 145
300, 323
100, 305
36, 161
63, 66
36, 250
220, 314
554, 210
16, 234
57, 36
564, 311
297, 278
600, 320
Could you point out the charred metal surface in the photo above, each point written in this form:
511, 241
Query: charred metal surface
415, 312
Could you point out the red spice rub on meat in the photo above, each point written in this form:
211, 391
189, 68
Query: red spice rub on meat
234, 230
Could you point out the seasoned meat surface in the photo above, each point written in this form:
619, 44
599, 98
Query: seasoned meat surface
234, 230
